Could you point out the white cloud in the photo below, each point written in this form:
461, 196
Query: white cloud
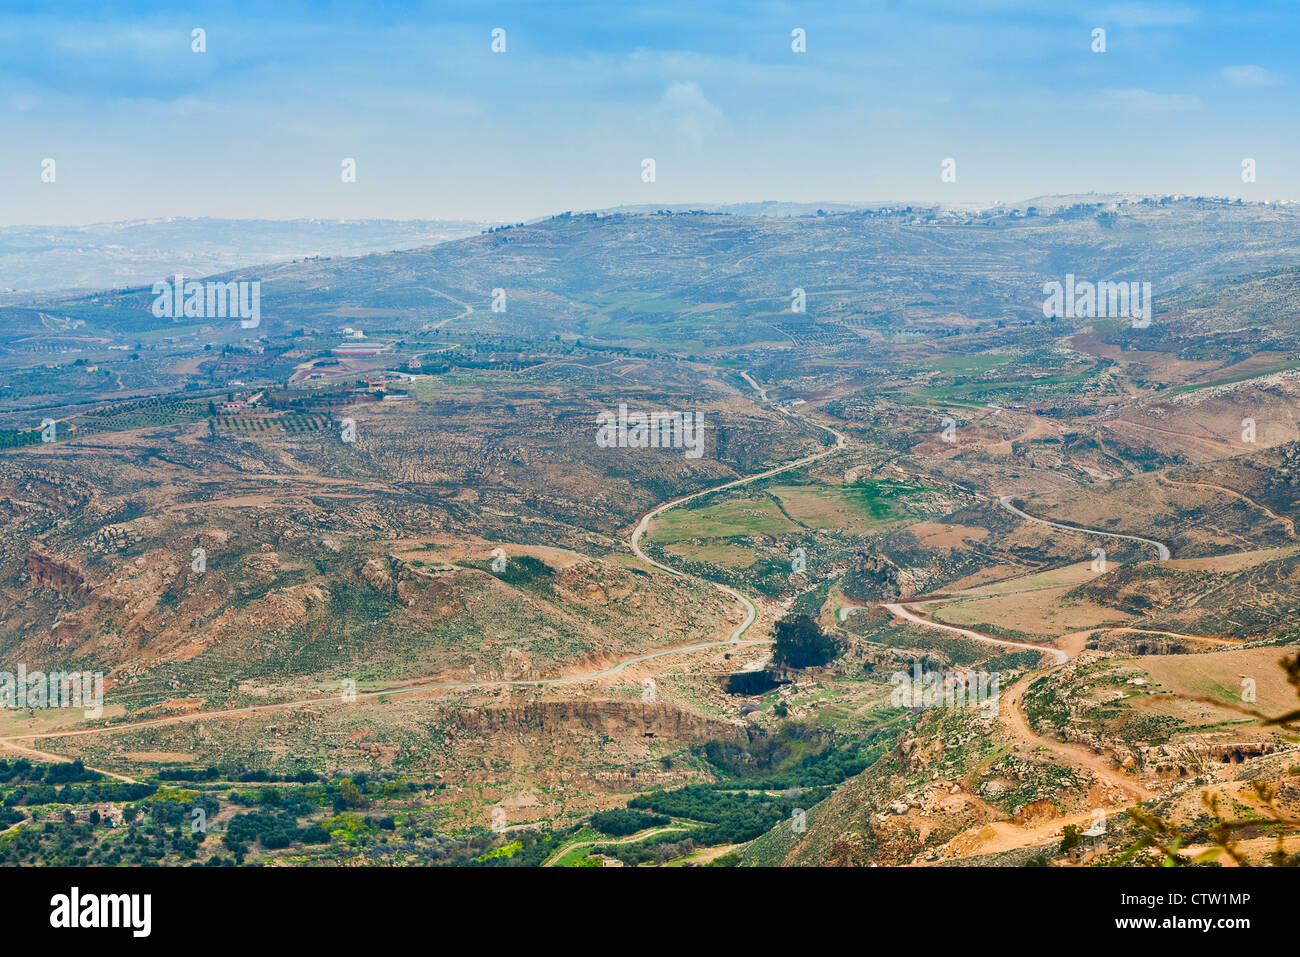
142, 43
690, 113
1146, 101
1149, 15
1250, 76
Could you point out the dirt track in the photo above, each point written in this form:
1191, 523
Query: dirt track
1006, 835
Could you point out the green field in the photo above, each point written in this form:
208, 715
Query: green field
724, 520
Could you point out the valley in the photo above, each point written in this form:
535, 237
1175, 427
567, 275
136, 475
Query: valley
397, 604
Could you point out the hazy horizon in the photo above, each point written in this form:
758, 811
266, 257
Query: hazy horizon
837, 205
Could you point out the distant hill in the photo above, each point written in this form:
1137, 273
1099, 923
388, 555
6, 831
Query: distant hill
716, 281
116, 255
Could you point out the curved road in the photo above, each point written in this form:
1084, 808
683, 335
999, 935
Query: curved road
1282, 520
1006, 835
762, 393
630, 839
751, 613
901, 610
1161, 549
464, 305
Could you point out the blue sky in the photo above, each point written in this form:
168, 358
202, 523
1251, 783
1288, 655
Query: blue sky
441, 127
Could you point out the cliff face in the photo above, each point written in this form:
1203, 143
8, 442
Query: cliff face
64, 577
615, 718
876, 578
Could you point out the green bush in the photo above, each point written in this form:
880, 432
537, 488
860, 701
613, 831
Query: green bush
801, 643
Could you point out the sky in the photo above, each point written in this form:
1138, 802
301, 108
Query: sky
441, 127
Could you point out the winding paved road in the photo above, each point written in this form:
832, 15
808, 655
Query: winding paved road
1161, 549
900, 610
751, 613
